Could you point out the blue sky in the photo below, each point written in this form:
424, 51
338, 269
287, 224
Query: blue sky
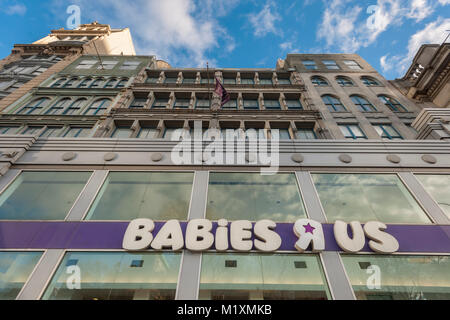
247, 33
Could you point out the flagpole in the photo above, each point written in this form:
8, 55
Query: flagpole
209, 95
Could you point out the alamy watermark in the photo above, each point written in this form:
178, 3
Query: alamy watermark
74, 19
231, 147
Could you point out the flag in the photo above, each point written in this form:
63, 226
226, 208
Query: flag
220, 90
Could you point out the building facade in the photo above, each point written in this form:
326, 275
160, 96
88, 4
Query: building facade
229, 196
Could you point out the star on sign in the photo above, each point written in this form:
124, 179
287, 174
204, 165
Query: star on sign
309, 228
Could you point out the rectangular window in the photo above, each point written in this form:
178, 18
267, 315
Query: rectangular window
182, 103
189, 80
352, 131
310, 64
229, 80
272, 104
232, 104
51, 132
294, 104
78, 132
331, 64
122, 133
8, 130
41, 195
401, 277
159, 196
160, 103
152, 80
352, 64
117, 276
202, 104
255, 197
388, 132
130, 65
107, 65
380, 197
15, 269
266, 82
171, 80
438, 186
247, 81
32, 130
306, 134
262, 277
284, 81
282, 134
148, 133
87, 64
251, 104
138, 103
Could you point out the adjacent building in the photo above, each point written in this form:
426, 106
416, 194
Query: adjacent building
320, 138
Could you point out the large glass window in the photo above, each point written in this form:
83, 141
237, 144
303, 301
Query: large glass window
15, 268
367, 197
42, 195
439, 188
400, 277
116, 276
159, 196
252, 196
262, 277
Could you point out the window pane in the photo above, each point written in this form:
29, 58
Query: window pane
148, 133
255, 197
122, 133
155, 195
439, 188
15, 268
262, 277
51, 132
306, 134
402, 277
75, 132
380, 197
117, 276
42, 195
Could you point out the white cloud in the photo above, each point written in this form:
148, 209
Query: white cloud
433, 33
264, 21
349, 27
179, 31
18, 8
444, 2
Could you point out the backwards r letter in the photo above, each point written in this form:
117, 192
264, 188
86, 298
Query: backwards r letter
309, 231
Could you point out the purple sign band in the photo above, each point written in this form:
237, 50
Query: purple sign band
109, 235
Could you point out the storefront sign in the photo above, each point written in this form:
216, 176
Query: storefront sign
243, 236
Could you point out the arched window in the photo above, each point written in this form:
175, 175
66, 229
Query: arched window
58, 107
122, 83
70, 83
35, 106
98, 107
392, 104
344, 81
97, 83
110, 83
75, 106
319, 81
370, 82
333, 103
84, 83
363, 104
58, 83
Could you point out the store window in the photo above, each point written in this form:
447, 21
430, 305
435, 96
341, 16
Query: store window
15, 268
401, 277
380, 197
117, 276
42, 195
439, 188
255, 197
159, 196
262, 277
